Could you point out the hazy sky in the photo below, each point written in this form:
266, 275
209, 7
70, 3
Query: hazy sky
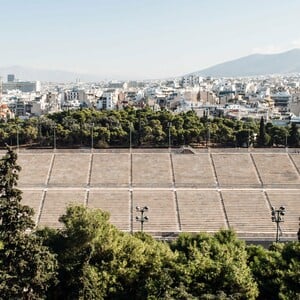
141, 39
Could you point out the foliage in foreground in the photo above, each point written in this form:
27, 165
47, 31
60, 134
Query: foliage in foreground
277, 270
97, 261
26, 266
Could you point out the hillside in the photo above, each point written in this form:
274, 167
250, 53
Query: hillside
256, 64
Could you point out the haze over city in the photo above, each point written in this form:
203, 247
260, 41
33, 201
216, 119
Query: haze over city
143, 39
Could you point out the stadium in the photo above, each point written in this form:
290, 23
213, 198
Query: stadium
186, 190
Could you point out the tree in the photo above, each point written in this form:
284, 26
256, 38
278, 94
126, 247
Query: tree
26, 266
224, 135
294, 136
276, 270
262, 138
84, 253
266, 267
291, 258
97, 261
213, 267
243, 138
278, 136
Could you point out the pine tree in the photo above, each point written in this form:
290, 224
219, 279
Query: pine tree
26, 267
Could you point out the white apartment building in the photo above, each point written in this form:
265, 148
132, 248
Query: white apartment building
106, 101
74, 94
190, 80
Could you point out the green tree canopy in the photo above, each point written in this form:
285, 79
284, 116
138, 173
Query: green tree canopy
26, 266
209, 266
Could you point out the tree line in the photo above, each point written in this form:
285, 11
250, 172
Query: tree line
89, 258
143, 128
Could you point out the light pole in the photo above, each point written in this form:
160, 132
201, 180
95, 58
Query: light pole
92, 137
141, 218
17, 138
208, 135
248, 138
207, 138
39, 131
169, 126
54, 137
298, 233
277, 216
130, 136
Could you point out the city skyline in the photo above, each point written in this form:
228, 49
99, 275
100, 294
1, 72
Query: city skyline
143, 39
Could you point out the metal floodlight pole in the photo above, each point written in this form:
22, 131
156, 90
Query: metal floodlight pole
208, 135
54, 137
298, 233
92, 137
142, 219
248, 138
277, 217
18, 139
169, 125
40, 131
130, 136
142, 224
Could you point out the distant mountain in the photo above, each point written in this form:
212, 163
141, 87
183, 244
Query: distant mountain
256, 64
31, 74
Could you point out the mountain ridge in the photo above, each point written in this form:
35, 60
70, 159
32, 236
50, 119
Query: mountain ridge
251, 65
256, 64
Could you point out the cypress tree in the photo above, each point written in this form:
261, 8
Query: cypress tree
26, 266
261, 138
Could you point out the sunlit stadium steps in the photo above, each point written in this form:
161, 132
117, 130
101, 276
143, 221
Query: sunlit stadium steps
296, 161
117, 203
69, 170
200, 211
248, 212
162, 211
34, 199
182, 190
110, 169
235, 170
290, 199
276, 170
35, 169
55, 204
193, 170
151, 170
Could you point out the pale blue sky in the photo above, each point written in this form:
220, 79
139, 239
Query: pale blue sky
140, 39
